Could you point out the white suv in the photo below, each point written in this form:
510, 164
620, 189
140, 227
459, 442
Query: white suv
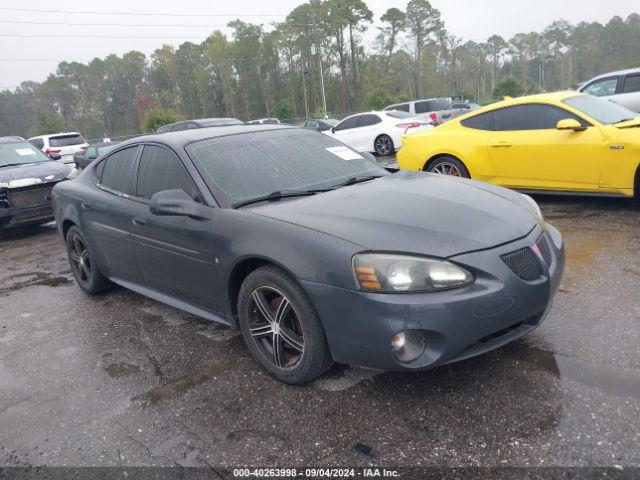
621, 87
63, 144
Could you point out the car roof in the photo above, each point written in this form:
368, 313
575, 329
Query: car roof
182, 137
613, 74
552, 97
55, 135
12, 139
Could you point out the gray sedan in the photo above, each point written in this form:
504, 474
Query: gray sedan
317, 254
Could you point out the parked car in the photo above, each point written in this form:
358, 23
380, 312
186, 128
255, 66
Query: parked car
26, 178
319, 124
199, 123
465, 107
63, 144
437, 110
553, 142
92, 152
622, 87
377, 132
260, 121
314, 252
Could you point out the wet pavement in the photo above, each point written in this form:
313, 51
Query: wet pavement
118, 379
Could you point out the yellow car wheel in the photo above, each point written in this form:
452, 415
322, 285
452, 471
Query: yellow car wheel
448, 165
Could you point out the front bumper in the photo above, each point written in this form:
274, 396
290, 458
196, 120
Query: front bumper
496, 309
25, 206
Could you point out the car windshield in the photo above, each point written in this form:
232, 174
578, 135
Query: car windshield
20, 153
603, 111
330, 121
399, 114
248, 166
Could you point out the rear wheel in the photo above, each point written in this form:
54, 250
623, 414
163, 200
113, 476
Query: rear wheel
448, 165
383, 145
281, 328
85, 270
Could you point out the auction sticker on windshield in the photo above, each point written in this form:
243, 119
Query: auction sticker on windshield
25, 151
345, 153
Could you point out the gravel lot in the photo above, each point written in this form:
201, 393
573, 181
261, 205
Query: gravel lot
122, 380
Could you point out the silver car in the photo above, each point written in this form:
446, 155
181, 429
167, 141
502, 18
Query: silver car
437, 110
622, 87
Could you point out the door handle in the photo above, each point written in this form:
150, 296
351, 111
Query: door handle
138, 222
502, 144
86, 206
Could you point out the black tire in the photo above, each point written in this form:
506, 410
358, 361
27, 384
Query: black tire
85, 270
448, 163
298, 318
383, 145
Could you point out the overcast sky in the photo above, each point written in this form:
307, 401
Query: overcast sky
23, 58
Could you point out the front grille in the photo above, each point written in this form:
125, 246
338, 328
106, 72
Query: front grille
30, 197
524, 263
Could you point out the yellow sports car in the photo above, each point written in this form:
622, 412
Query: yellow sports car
563, 141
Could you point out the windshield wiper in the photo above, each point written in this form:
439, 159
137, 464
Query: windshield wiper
278, 194
354, 180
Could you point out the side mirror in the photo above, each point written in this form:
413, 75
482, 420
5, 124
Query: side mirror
333, 129
55, 156
176, 203
570, 124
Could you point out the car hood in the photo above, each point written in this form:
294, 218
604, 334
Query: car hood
413, 212
32, 174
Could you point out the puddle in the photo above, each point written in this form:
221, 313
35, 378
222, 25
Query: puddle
341, 378
616, 381
37, 279
177, 387
117, 370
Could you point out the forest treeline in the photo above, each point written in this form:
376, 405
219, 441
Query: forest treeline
278, 69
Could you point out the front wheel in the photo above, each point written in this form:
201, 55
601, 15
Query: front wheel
281, 328
383, 145
448, 165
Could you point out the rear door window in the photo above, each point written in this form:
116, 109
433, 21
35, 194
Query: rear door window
368, 119
37, 142
423, 106
161, 169
66, 140
632, 84
118, 169
484, 121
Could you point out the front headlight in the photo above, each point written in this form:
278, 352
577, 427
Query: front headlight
535, 206
383, 272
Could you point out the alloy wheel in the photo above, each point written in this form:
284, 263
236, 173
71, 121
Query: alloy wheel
383, 145
446, 168
275, 327
80, 258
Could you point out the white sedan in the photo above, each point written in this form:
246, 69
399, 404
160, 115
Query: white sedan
377, 132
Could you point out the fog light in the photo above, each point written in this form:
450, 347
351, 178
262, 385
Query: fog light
407, 346
397, 342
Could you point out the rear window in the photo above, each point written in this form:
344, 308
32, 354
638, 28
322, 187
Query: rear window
66, 140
